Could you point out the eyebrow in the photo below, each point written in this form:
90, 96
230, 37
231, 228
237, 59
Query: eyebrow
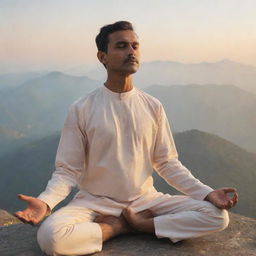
126, 42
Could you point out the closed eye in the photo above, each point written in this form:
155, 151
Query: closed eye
121, 45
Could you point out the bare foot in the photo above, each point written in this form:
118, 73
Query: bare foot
112, 226
142, 221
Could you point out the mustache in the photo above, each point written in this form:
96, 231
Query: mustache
131, 58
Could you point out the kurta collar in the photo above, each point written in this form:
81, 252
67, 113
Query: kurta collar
118, 95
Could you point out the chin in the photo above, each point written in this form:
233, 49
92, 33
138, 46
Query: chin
131, 70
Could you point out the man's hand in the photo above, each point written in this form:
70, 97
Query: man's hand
221, 199
140, 221
35, 211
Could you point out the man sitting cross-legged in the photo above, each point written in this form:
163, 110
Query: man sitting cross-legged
111, 141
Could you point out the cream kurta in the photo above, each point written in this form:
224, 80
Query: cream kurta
109, 146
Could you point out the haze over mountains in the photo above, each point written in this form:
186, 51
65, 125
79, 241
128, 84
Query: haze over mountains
213, 160
15, 79
227, 111
224, 72
38, 107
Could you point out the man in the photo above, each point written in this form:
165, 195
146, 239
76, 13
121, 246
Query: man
111, 141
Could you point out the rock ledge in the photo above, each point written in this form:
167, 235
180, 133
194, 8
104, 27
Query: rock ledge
239, 239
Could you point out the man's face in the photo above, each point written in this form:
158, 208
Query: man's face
123, 53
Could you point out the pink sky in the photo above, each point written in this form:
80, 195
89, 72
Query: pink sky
41, 34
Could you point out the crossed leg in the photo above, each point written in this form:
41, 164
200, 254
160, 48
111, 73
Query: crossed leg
70, 231
74, 230
178, 217
112, 226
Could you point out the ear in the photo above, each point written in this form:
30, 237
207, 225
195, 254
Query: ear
102, 57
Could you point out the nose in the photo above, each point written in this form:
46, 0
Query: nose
131, 50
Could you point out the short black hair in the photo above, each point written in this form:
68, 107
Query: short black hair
102, 37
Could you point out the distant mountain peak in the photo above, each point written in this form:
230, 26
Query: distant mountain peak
55, 74
58, 75
233, 64
163, 62
228, 62
224, 61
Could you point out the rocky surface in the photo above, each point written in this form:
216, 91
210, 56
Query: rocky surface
7, 219
239, 239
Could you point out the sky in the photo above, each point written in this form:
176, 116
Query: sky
42, 34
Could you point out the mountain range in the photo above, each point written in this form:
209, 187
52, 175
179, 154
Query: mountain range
223, 72
218, 163
227, 111
213, 160
10, 80
38, 107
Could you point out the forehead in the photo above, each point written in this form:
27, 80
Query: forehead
123, 35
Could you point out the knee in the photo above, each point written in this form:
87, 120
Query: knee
218, 218
221, 219
58, 238
45, 238
224, 219
50, 238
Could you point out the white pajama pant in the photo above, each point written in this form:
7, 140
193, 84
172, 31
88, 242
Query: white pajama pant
71, 230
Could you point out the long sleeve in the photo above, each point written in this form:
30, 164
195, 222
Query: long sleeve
70, 160
167, 165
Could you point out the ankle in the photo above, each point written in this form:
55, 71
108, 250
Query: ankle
146, 226
108, 231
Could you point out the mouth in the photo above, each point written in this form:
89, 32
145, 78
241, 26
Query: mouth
132, 61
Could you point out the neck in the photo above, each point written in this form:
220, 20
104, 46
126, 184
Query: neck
118, 83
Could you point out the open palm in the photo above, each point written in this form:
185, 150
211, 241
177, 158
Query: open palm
35, 211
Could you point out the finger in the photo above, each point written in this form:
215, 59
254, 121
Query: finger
25, 215
24, 197
226, 206
235, 194
21, 215
235, 197
227, 190
147, 213
18, 214
22, 218
127, 213
234, 203
33, 221
235, 200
